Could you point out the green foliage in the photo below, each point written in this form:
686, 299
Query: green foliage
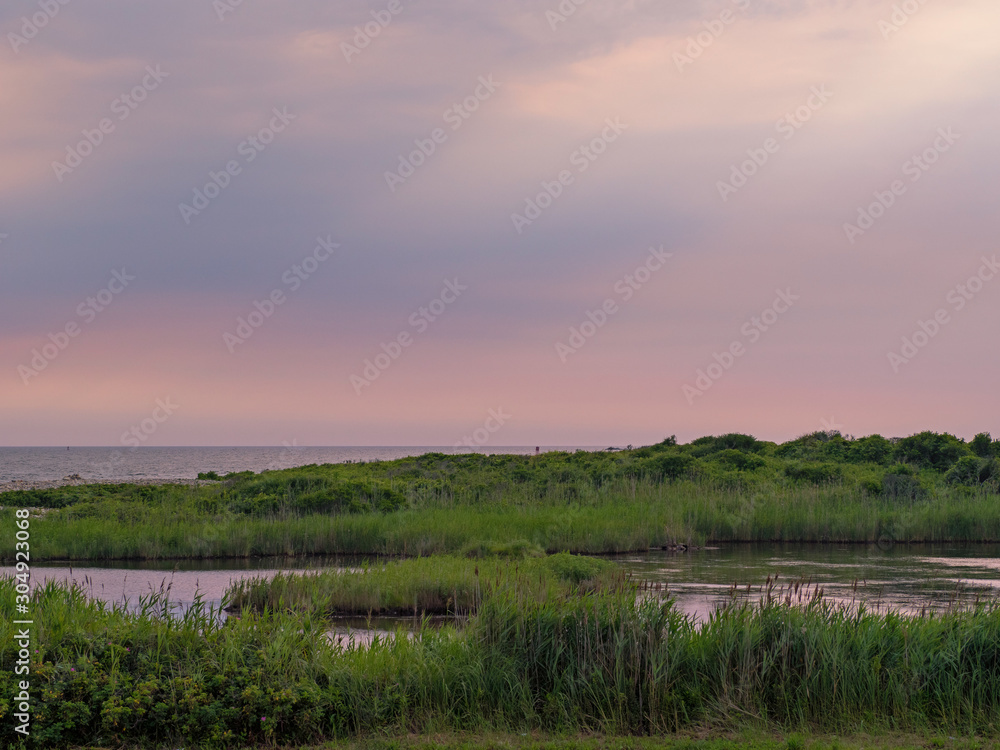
982, 445
208, 475
902, 484
873, 449
573, 658
971, 471
437, 585
731, 441
727, 488
514, 550
731, 458
813, 472
931, 450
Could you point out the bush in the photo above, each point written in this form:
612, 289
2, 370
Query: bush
576, 569
668, 466
735, 459
902, 484
931, 450
982, 445
973, 472
873, 449
814, 473
734, 440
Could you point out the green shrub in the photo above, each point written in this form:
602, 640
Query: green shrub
873, 449
982, 445
971, 471
814, 473
734, 440
931, 450
902, 484
736, 459
668, 465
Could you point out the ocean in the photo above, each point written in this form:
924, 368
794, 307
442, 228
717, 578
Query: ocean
124, 464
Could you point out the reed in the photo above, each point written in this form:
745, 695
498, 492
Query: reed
573, 660
732, 488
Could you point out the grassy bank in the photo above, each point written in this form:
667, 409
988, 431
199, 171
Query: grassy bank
576, 661
429, 585
732, 488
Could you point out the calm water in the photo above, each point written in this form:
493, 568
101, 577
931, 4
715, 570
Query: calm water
43, 464
902, 577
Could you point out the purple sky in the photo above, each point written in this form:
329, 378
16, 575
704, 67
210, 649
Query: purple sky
607, 226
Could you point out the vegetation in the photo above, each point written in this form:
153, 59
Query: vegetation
437, 585
572, 658
820, 487
693, 740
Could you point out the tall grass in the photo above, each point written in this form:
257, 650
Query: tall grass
438, 585
618, 518
575, 661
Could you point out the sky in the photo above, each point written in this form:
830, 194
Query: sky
422, 222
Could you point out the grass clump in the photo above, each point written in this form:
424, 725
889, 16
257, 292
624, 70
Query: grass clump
439, 585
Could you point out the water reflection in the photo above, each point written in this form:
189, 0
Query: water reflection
904, 577
907, 578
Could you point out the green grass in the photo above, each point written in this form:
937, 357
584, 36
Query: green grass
437, 585
726, 489
570, 662
747, 740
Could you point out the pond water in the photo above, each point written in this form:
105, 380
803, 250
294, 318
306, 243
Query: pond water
903, 577
908, 578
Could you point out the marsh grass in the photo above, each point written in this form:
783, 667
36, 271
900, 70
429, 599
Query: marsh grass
639, 516
439, 585
819, 488
574, 660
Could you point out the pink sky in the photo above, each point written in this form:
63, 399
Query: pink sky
839, 102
